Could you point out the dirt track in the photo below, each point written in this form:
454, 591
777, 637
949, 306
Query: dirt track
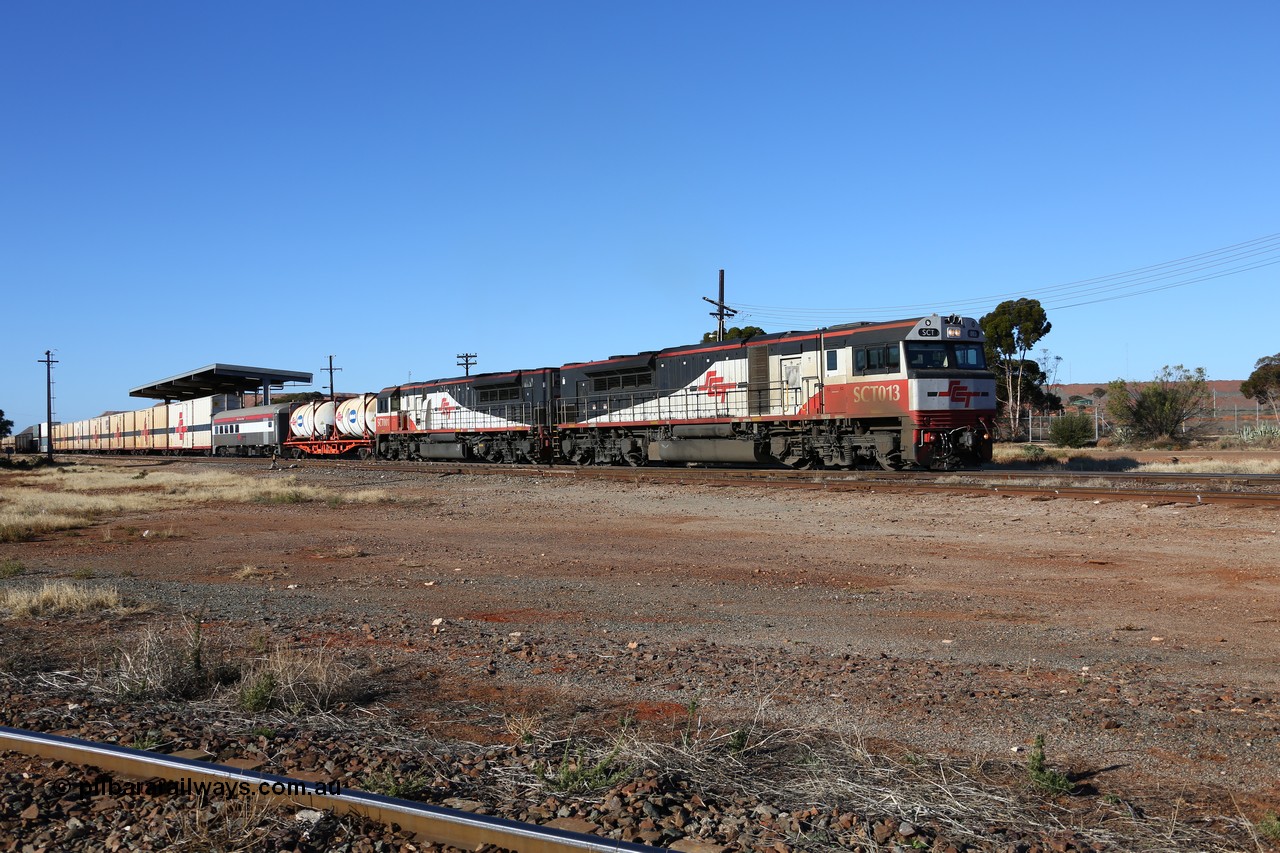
1140, 640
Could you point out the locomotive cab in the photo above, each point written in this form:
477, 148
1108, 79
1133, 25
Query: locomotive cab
952, 394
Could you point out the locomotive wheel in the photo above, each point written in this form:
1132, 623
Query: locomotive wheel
890, 462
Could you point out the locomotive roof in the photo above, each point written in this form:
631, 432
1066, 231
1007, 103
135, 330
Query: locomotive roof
643, 359
478, 379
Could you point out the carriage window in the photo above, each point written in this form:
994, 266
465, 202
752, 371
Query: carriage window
833, 360
860, 360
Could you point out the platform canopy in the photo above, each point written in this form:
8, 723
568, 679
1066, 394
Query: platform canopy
219, 379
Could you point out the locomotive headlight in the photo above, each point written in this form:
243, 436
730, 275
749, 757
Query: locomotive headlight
954, 331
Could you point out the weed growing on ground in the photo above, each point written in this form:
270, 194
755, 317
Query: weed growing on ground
402, 785
1269, 827
11, 568
257, 693
1049, 781
147, 742
578, 774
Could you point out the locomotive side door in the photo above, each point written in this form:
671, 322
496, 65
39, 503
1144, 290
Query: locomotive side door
792, 385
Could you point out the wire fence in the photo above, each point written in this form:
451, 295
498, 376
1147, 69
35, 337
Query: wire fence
1216, 422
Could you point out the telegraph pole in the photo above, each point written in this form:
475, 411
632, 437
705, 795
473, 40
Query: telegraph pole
333, 397
722, 310
48, 361
465, 360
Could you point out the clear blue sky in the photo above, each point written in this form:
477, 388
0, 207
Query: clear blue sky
398, 182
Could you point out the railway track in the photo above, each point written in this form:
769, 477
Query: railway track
434, 824
1192, 488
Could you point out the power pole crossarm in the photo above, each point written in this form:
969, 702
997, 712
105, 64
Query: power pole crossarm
721, 311
465, 360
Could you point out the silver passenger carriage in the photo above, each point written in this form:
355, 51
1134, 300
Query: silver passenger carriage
255, 431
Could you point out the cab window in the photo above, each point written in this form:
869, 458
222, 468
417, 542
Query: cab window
927, 356
970, 356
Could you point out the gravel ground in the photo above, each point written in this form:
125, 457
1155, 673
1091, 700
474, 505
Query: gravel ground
743, 668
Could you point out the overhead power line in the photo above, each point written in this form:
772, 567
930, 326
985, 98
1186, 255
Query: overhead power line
1192, 269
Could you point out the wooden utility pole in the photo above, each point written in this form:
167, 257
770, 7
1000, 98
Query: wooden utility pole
465, 360
48, 361
333, 394
722, 310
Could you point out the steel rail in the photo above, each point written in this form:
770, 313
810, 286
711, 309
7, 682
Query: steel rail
435, 824
1263, 489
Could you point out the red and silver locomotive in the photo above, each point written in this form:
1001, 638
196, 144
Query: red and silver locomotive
910, 393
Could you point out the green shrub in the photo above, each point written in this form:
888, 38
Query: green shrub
1075, 430
1049, 781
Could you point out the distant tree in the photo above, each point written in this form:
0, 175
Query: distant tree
733, 333
6, 425
1012, 329
298, 397
1262, 385
1161, 408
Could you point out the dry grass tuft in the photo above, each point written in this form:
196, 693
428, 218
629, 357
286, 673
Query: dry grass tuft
1215, 466
366, 496
170, 662
46, 500
249, 572
299, 682
59, 599
523, 726
241, 825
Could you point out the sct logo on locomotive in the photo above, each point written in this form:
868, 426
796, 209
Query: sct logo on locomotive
958, 392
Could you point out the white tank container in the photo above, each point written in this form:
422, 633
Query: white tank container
357, 416
345, 416
323, 419
351, 416
302, 422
